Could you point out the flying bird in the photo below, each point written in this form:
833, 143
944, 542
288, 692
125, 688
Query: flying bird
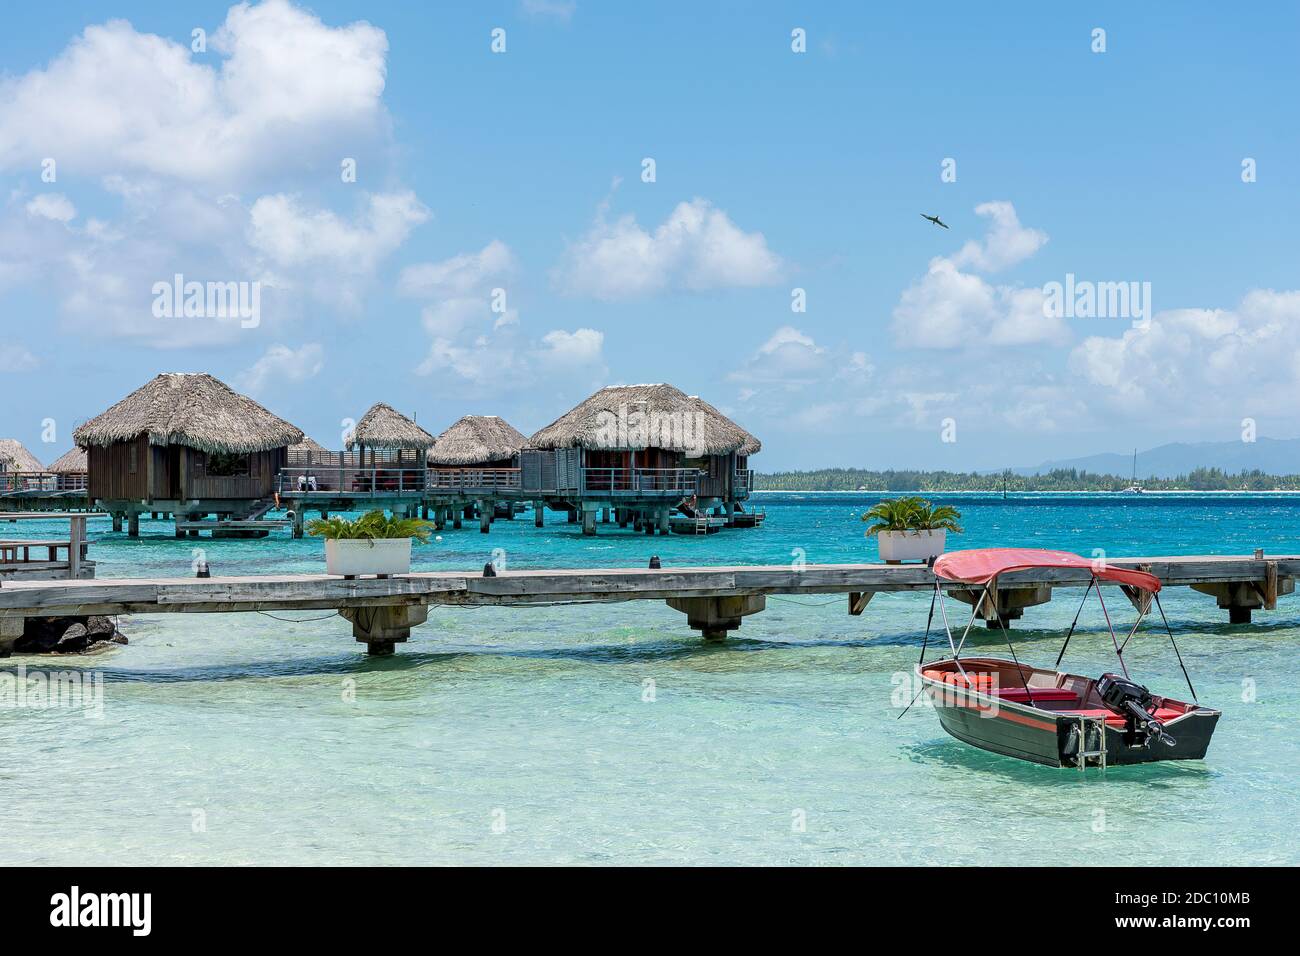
935, 220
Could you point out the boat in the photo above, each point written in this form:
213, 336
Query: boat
1046, 715
1135, 488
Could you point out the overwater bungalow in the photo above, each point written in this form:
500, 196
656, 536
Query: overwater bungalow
70, 469
19, 468
391, 449
188, 445
640, 452
474, 465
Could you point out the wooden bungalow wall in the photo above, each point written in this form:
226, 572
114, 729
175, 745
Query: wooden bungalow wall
123, 472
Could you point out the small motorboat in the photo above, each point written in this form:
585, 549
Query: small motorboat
1050, 716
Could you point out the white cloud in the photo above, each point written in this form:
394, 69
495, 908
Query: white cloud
185, 144
54, 206
16, 358
282, 364
284, 86
460, 275
291, 235
579, 347
948, 308
1244, 362
1006, 244
556, 9
789, 358
697, 247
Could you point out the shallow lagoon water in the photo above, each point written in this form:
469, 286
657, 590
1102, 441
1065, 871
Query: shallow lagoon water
521, 735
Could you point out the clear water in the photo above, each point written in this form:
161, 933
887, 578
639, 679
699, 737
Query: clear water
521, 735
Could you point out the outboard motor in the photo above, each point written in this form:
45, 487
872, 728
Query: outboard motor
1134, 702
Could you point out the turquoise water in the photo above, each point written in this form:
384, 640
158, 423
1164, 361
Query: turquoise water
507, 735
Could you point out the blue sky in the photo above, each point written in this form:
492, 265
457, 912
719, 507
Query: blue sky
774, 171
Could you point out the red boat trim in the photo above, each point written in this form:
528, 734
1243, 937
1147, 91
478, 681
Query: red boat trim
1002, 711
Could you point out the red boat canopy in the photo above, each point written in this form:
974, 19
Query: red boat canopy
979, 566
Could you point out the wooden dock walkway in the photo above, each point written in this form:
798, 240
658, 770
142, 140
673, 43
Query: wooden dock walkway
383, 610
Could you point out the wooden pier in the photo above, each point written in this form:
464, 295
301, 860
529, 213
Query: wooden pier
18, 562
383, 610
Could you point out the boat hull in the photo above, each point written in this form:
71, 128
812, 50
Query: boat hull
1053, 739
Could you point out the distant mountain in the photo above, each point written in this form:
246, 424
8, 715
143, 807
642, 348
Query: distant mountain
1272, 456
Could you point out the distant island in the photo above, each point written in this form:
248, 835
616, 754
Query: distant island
1058, 479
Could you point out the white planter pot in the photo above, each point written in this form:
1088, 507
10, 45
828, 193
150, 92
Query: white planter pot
355, 557
911, 545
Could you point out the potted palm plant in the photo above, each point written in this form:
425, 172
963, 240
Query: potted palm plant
910, 528
375, 543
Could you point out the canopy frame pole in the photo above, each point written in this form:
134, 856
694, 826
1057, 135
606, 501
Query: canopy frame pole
948, 630
1091, 582
1170, 632
1141, 615
974, 609
924, 643
1114, 641
1006, 633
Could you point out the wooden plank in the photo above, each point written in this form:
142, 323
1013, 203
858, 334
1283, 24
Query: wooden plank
858, 601
561, 586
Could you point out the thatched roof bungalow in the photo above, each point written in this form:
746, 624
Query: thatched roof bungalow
478, 441
72, 461
14, 456
627, 438
184, 438
69, 470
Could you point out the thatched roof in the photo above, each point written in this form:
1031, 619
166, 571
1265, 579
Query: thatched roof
476, 439
195, 410
752, 445
15, 457
308, 444
644, 416
385, 427
73, 460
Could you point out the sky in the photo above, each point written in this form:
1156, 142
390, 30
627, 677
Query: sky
497, 208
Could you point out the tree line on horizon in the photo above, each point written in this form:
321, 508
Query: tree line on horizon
1058, 479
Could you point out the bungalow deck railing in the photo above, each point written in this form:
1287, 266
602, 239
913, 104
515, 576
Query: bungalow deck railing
378, 480
476, 479
640, 481
11, 481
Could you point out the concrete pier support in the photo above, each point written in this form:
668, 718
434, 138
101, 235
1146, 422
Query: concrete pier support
297, 522
133, 524
539, 514
117, 521
485, 516
380, 628
1240, 598
11, 628
1006, 604
713, 617
662, 520
455, 517
588, 522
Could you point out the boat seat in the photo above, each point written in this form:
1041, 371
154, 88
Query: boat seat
952, 677
1020, 695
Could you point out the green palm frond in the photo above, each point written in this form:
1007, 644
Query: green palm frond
372, 526
911, 513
